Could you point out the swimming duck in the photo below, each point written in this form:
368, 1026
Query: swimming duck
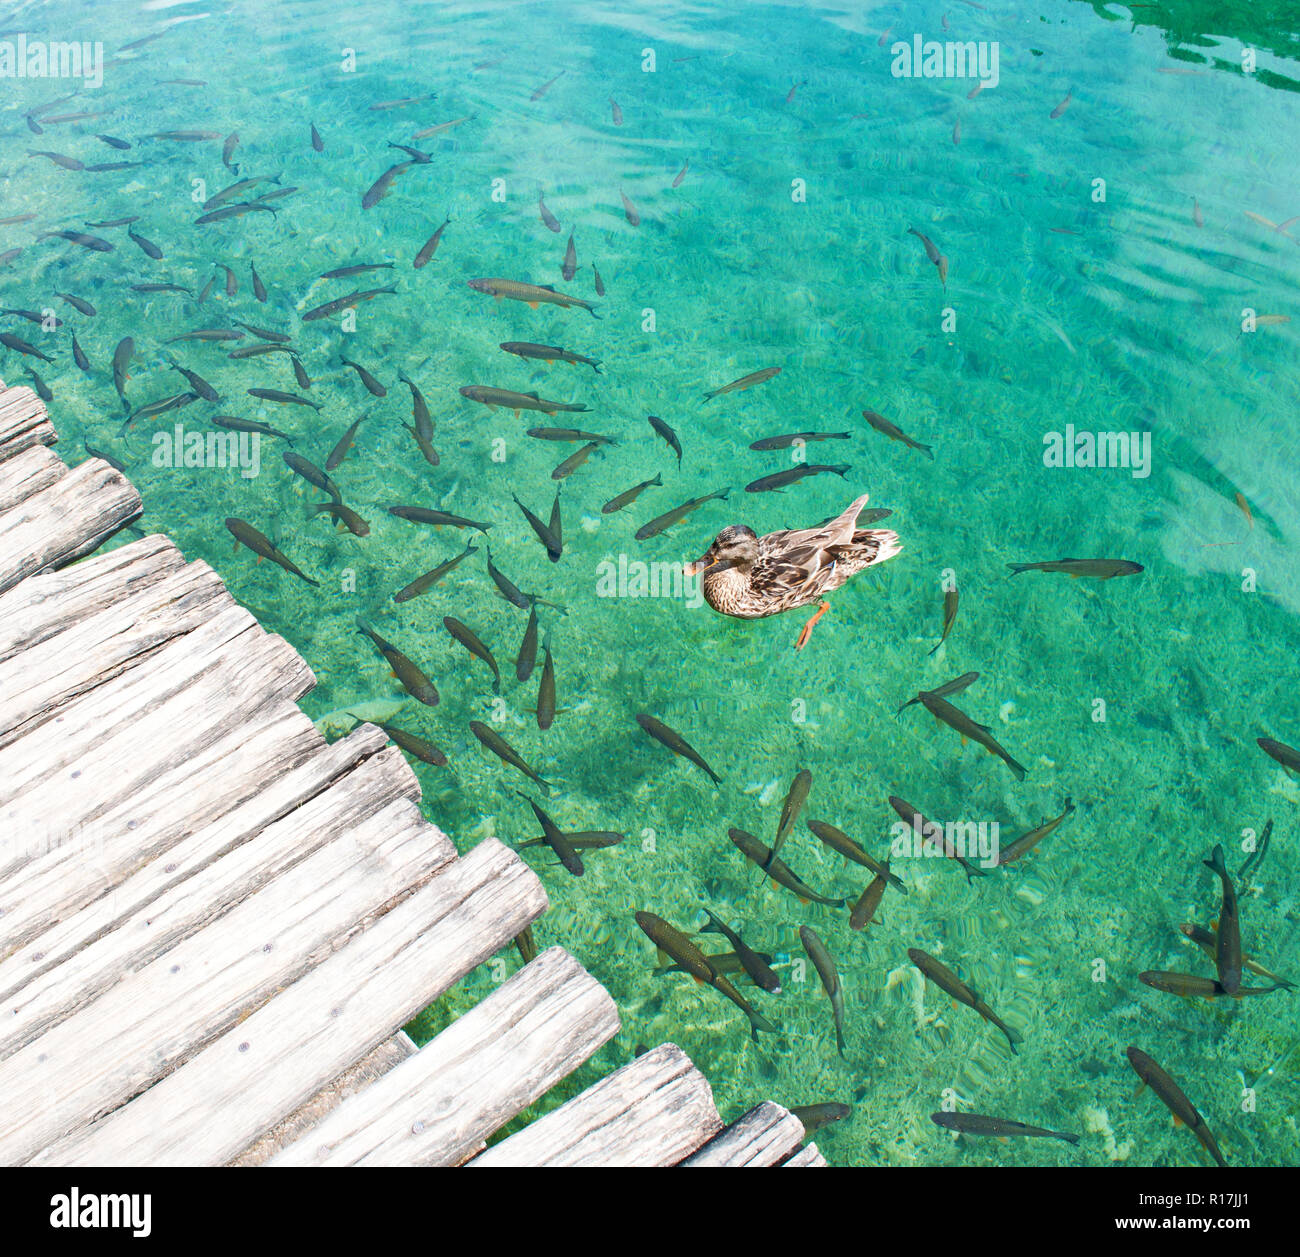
748, 577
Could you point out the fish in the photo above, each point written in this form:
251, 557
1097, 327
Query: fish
949, 616
569, 434
932, 252
546, 689
547, 353
526, 660
186, 137
556, 525
235, 424
1285, 755
424, 515
557, 839
494, 397
545, 534
148, 246
441, 126
629, 210
784, 442
413, 744
998, 1127
758, 967
258, 351
1196, 213
32, 316
311, 474
581, 840
600, 283
616, 112
548, 219
79, 356
1227, 938
663, 430
59, 159
426, 582
546, 87
373, 386
672, 942
814, 1116
956, 131
1205, 940
236, 211
344, 303
499, 747
1027, 842
1190, 987
105, 166
825, 966
628, 496
113, 142
278, 338
196, 382
271, 196
955, 686
574, 461
1178, 1104
865, 909
1281, 227
838, 841
359, 268
116, 222
745, 381
1100, 569
39, 386
1060, 109
675, 743
154, 409
207, 334
162, 288
792, 475
951, 984
430, 246
285, 399
532, 294
115, 463
259, 288
665, 521
895, 433
795, 798
778, 870
946, 713
228, 151
935, 834
316, 142
9, 254
121, 360
467, 637
417, 155
507, 588
343, 444
422, 429
569, 267
11, 341
409, 676
245, 534
343, 515
237, 189
96, 243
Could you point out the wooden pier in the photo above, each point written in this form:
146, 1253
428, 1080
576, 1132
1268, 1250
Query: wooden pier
213, 924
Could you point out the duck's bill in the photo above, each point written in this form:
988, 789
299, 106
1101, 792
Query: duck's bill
705, 564
694, 569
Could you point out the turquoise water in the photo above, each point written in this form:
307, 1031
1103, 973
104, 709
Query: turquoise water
1114, 307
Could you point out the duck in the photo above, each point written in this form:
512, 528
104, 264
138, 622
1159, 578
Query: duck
749, 577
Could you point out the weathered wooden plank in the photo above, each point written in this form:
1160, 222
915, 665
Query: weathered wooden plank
283, 792
23, 421
210, 891
159, 1016
38, 683
656, 1110
491, 1063
28, 472
65, 520
263, 1068
53, 602
374, 1065
765, 1136
807, 1156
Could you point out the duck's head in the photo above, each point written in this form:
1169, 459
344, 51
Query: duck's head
735, 546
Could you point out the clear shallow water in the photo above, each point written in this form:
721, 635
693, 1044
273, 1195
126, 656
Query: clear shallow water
1115, 315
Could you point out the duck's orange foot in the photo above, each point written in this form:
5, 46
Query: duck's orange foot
806, 631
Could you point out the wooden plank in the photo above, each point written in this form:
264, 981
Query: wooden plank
65, 520
374, 1065
807, 1156
765, 1136
23, 421
656, 1110
38, 683
28, 472
265, 1067
491, 1063
283, 793
161, 1015
192, 903
53, 602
